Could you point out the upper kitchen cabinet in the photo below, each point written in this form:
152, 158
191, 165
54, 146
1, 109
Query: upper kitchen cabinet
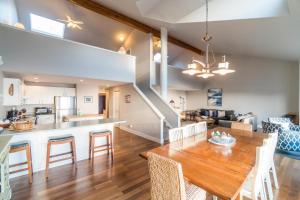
12, 92
45, 94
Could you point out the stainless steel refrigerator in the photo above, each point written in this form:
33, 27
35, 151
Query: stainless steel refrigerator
64, 106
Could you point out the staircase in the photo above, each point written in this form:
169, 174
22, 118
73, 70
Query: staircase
172, 119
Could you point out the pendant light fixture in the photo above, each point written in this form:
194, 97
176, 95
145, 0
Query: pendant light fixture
223, 67
191, 69
208, 68
206, 72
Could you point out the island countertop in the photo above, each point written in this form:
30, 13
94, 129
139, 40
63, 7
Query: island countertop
64, 125
4, 141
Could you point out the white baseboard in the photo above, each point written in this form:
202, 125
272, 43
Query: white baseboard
138, 133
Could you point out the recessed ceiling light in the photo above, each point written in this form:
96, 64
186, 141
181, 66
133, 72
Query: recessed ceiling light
121, 38
36, 78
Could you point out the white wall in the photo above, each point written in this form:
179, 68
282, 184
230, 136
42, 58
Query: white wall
8, 12
139, 116
262, 86
179, 97
140, 45
87, 90
27, 52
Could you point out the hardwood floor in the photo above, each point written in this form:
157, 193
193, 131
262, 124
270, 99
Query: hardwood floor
127, 178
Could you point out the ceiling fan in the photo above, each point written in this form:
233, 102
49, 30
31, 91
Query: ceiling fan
72, 23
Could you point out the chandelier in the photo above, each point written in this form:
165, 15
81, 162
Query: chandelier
207, 69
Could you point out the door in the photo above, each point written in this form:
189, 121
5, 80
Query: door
116, 104
102, 104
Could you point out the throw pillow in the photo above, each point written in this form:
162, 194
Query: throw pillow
221, 113
211, 113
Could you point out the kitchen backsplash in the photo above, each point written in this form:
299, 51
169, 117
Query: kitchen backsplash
29, 108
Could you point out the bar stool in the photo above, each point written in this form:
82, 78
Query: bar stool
106, 147
18, 147
58, 141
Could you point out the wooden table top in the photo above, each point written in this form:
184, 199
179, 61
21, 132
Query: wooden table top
219, 170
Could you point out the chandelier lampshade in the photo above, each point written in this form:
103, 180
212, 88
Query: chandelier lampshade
191, 69
223, 67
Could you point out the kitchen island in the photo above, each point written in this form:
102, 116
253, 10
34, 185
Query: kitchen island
38, 138
5, 191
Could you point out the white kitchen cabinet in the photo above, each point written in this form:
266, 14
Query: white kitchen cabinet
45, 94
12, 92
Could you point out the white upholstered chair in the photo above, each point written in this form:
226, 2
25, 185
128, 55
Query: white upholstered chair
270, 143
167, 182
195, 129
254, 186
176, 134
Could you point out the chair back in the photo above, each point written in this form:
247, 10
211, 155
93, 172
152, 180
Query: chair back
279, 120
195, 129
241, 126
166, 178
200, 127
176, 134
270, 143
258, 184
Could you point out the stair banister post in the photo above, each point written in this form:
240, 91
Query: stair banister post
164, 64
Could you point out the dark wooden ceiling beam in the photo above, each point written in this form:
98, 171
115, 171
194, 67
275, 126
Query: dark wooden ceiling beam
105, 11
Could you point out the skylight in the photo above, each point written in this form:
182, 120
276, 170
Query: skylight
47, 26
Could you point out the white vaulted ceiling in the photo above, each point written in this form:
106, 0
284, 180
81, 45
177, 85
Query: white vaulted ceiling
260, 28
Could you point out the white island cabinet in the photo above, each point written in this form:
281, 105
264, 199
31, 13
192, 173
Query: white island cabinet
39, 136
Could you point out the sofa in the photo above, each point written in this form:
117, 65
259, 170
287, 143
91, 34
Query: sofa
224, 118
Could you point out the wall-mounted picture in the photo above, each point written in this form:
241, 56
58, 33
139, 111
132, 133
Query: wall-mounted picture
88, 99
214, 97
128, 98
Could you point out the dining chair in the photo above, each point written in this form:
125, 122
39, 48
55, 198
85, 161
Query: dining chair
270, 143
254, 186
241, 126
195, 129
200, 127
167, 181
176, 134
271, 164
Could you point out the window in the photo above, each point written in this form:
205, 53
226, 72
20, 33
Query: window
47, 26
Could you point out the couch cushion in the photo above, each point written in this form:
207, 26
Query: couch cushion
204, 112
229, 112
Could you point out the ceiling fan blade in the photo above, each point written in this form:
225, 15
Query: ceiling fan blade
78, 22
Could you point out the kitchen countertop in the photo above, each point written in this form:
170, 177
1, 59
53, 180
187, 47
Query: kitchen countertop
63, 125
82, 117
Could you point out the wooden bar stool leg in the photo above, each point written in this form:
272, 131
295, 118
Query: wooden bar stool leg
111, 146
47, 159
90, 148
29, 163
107, 144
74, 153
93, 149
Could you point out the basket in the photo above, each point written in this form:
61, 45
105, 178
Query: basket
22, 126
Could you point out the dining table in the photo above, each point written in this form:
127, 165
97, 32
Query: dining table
219, 170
